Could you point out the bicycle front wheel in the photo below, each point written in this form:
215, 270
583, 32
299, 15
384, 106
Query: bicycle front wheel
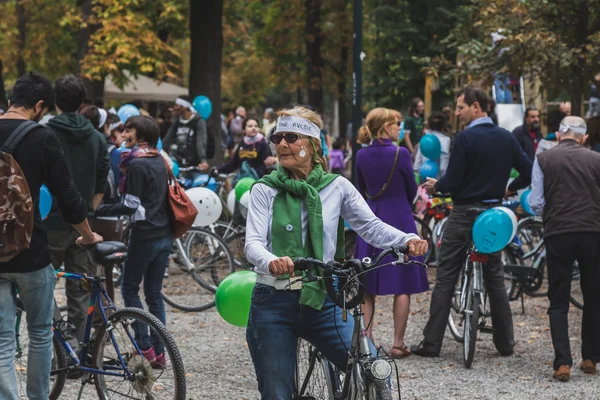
133, 331
471, 324
379, 390
314, 378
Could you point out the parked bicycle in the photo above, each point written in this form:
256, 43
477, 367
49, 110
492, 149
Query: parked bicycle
112, 358
366, 375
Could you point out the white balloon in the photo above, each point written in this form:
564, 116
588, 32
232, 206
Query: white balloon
244, 204
231, 201
208, 205
513, 218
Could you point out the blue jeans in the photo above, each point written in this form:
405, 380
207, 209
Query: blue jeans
36, 290
147, 260
275, 324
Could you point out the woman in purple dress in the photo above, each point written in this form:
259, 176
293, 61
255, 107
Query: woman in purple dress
385, 177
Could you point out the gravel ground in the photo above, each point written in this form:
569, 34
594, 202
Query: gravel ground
218, 364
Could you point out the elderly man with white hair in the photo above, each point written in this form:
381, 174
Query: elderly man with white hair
566, 191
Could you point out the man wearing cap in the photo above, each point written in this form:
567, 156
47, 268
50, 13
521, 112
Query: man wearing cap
566, 191
187, 138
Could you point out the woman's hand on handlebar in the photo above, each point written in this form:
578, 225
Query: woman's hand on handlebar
417, 247
281, 266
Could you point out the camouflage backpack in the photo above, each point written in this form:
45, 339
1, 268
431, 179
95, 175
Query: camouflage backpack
16, 205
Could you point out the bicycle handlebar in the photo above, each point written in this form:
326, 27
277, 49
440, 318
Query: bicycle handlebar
352, 269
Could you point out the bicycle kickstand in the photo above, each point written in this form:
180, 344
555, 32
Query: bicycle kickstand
83, 383
522, 303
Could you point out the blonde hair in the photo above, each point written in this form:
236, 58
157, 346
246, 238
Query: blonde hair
376, 121
315, 118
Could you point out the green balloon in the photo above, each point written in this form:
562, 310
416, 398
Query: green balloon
418, 178
514, 173
234, 296
242, 187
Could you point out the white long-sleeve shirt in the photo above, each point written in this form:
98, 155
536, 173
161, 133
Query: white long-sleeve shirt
339, 198
537, 202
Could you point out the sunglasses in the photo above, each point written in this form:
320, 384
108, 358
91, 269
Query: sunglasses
289, 137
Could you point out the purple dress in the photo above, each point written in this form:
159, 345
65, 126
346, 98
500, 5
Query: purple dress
373, 167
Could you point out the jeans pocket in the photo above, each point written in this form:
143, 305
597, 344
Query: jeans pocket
261, 293
37, 279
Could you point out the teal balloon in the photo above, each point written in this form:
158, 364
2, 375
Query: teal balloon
494, 229
159, 146
402, 132
175, 169
429, 169
203, 106
525, 202
430, 146
242, 187
234, 297
45, 201
126, 111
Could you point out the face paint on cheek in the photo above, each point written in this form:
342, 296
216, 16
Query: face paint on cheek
302, 152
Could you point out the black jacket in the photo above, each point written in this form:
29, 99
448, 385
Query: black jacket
87, 157
191, 138
525, 140
480, 164
41, 158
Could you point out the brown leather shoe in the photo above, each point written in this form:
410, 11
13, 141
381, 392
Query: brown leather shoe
563, 373
588, 366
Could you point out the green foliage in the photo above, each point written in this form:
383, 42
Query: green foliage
402, 38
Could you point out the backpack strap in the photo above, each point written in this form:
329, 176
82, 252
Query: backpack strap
13, 140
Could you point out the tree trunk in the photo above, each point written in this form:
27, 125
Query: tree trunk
341, 91
21, 67
576, 90
314, 60
84, 33
206, 42
3, 99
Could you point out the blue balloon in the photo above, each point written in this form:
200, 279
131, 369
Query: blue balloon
126, 111
430, 146
401, 137
525, 202
200, 180
494, 229
175, 169
45, 201
429, 169
159, 146
203, 106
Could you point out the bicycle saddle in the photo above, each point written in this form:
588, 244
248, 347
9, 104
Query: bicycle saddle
107, 253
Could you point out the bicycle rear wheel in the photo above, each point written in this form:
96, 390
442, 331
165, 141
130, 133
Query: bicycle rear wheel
314, 374
59, 358
193, 288
471, 324
456, 319
236, 244
576, 293
147, 380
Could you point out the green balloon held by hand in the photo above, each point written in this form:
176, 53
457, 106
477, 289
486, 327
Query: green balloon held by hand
234, 296
243, 185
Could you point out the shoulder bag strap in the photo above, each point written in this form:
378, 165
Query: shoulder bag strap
13, 140
387, 184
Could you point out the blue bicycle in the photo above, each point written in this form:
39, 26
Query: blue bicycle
115, 358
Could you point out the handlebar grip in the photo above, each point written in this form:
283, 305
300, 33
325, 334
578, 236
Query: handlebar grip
402, 249
301, 264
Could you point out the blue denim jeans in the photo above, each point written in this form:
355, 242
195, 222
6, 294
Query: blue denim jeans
275, 324
147, 260
36, 290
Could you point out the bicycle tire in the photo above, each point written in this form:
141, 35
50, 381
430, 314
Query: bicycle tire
454, 323
209, 270
59, 361
424, 232
471, 325
236, 244
378, 390
99, 358
310, 363
576, 296
510, 282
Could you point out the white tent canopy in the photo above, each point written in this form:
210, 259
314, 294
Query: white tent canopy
143, 88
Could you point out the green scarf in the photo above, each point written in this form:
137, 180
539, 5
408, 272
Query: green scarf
286, 227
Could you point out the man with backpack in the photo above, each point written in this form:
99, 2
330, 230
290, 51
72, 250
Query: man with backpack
188, 140
29, 156
87, 158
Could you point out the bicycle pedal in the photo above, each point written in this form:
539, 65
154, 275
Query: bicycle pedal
486, 329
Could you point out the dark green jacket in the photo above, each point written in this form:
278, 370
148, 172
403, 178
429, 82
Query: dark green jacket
87, 159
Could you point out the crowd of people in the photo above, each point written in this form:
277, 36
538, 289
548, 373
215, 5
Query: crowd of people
95, 165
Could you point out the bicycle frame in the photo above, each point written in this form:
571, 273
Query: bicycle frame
98, 291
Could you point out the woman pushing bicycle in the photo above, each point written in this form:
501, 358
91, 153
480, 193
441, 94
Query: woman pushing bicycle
295, 212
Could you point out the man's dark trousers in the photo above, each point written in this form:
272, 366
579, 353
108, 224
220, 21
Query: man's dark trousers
456, 239
562, 250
